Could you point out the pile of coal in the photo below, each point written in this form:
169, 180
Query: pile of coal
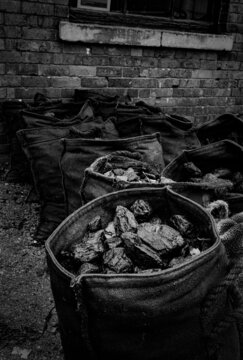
135, 241
122, 168
225, 179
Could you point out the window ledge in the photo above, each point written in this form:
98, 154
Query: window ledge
100, 34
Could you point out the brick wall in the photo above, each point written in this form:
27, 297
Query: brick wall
194, 83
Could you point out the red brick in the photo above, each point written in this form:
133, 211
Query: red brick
109, 71
202, 74
75, 49
164, 92
2, 32
95, 61
164, 53
10, 80
154, 72
205, 83
144, 83
32, 20
10, 93
227, 56
2, 68
239, 100
38, 9
131, 72
99, 50
11, 56
3, 93
13, 32
225, 83
237, 75
54, 93
61, 11
166, 101
40, 46
119, 51
208, 65
37, 58
2, 44
65, 59
94, 82
12, 69
24, 45
148, 52
236, 92
190, 64
181, 73
15, 19
39, 33
53, 70
239, 37
148, 61
117, 82
124, 61
136, 52
165, 83
187, 92
168, 63
144, 93
229, 65
28, 69
47, 22
34, 81
65, 82
10, 6
240, 56
209, 92
79, 70
11, 44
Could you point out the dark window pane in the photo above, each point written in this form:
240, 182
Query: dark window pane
149, 7
192, 9
117, 5
94, 3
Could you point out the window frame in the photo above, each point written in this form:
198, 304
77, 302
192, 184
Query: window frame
131, 20
87, 7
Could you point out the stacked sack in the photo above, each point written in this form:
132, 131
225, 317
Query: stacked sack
53, 142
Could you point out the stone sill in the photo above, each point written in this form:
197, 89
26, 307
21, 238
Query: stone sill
99, 34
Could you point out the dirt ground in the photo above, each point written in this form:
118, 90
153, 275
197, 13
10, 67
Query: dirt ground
28, 321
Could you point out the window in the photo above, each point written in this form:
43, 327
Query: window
203, 15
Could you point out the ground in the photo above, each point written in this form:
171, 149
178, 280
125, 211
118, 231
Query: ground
28, 321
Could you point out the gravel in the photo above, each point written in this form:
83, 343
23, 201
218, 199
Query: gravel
28, 320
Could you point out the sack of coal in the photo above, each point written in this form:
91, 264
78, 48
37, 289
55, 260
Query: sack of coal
78, 154
42, 148
172, 313
177, 133
116, 171
227, 126
216, 168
